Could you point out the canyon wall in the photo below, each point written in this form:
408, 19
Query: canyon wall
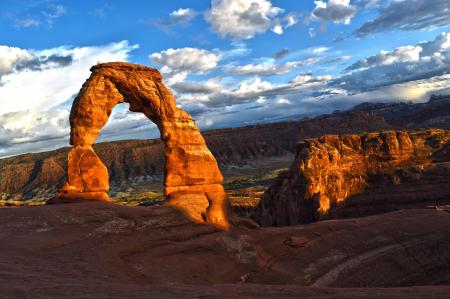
39, 175
352, 175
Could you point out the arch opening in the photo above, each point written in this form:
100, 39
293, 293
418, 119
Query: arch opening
192, 179
133, 156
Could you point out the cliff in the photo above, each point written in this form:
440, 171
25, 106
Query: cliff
38, 175
339, 176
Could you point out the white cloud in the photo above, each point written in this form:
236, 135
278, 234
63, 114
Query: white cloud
307, 78
283, 101
317, 50
10, 56
336, 11
32, 116
188, 60
369, 3
27, 126
258, 90
408, 15
241, 19
278, 29
52, 86
24, 131
404, 64
192, 87
400, 54
182, 13
290, 19
251, 87
268, 67
181, 16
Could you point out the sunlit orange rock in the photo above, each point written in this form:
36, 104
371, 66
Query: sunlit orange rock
353, 175
193, 181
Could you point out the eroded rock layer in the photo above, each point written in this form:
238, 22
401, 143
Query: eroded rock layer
192, 177
353, 175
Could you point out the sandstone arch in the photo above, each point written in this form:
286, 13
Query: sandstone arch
192, 181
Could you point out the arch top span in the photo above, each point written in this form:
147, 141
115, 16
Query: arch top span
192, 179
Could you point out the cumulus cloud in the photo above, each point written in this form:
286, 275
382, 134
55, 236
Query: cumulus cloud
336, 11
32, 131
400, 54
243, 19
404, 64
36, 117
178, 63
278, 29
60, 81
14, 59
29, 126
254, 89
181, 16
268, 67
407, 15
193, 87
11, 56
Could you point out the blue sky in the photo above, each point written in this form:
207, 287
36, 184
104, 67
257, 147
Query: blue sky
228, 62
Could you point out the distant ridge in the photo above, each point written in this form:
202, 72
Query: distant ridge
38, 175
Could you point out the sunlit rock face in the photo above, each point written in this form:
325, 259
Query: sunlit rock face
353, 175
193, 181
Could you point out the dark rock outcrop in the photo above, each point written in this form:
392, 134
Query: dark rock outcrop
352, 175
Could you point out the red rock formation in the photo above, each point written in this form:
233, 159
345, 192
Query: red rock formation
192, 177
34, 176
334, 173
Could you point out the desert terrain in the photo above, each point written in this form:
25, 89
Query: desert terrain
106, 250
387, 241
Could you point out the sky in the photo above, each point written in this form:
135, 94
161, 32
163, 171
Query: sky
228, 62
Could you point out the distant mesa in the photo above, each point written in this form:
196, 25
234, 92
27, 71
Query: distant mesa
338, 176
193, 181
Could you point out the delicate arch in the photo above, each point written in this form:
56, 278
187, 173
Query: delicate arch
192, 180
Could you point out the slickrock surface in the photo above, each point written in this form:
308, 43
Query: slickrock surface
103, 250
192, 177
350, 175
